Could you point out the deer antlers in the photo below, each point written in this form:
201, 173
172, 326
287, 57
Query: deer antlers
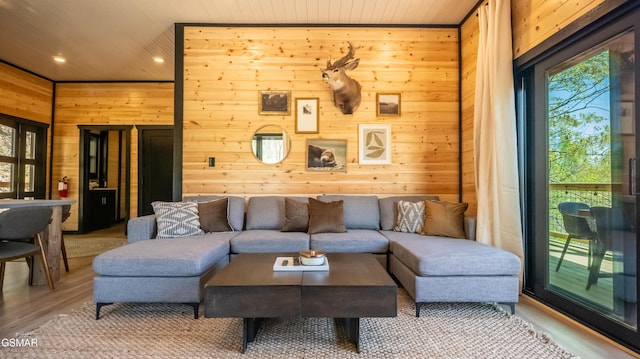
344, 60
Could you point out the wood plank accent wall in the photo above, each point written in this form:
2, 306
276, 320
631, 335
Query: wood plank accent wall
533, 21
25, 95
104, 104
226, 67
469, 37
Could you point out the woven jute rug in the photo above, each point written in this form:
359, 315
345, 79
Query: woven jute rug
456, 330
85, 246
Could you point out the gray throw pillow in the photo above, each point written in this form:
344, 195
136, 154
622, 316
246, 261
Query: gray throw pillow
296, 216
176, 219
326, 217
411, 217
213, 216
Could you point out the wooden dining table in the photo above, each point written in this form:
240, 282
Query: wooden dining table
52, 235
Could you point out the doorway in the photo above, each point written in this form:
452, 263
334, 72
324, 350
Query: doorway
155, 166
104, 176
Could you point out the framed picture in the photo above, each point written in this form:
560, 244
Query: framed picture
274, 103
326, 155
307, 116
388, 104
375, 144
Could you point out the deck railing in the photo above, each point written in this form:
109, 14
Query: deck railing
593, 194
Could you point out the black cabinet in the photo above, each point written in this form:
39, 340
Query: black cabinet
102, 208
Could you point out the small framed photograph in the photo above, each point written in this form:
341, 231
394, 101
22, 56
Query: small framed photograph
388, 104
274, 103
326, 155
374, 144
307, 116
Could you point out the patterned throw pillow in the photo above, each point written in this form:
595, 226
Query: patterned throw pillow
411, 217
176, 219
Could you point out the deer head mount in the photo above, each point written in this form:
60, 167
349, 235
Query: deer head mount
346, 91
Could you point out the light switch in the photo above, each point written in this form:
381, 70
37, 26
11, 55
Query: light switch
212, 161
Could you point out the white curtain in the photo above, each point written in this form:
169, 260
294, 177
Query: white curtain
497, 187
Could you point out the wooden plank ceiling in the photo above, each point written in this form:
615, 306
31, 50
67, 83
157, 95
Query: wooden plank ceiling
116, 40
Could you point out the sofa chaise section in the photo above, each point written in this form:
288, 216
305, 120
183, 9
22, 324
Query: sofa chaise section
443, 269
159, 270
171, 270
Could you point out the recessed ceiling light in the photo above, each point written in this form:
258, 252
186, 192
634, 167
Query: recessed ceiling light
158, 59
59, 59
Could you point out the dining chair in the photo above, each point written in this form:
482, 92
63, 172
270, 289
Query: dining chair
66, 212
577, 227
20, 237
611, 224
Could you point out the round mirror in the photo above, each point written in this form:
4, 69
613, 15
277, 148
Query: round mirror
270, 144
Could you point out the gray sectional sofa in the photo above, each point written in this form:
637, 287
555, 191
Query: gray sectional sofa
430, 268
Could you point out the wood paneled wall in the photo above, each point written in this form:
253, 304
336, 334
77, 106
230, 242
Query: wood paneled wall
225, 68
25, 95
534, 21
104, 104
469, 37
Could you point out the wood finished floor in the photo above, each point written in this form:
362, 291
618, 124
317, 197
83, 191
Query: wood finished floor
23, 308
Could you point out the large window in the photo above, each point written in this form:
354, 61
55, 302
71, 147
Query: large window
22, 158
578, 109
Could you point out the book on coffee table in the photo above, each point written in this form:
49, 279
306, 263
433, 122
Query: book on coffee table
293, 264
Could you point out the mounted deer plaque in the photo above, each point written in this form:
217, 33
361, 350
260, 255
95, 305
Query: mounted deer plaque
346, 91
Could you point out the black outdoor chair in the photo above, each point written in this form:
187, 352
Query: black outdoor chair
611, 224
577, 227
20, 237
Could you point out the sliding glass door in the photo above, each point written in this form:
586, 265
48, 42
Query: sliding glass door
579, 110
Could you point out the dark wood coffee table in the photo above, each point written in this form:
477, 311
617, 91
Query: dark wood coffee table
355, 286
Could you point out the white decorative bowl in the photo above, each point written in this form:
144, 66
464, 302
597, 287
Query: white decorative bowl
312, 257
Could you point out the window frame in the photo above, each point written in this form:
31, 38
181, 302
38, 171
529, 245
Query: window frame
22, 126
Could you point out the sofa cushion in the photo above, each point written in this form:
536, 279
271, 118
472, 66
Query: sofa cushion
326, 217
213, 215
411, 217
444, 219
296, 215
176, 219
269, 241
354, 241
389, 210
265, 212
235, 211
187, 257
443, 256
360, 212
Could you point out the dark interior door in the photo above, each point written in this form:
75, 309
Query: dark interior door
155, 165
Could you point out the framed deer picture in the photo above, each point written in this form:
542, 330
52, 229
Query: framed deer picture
374, 144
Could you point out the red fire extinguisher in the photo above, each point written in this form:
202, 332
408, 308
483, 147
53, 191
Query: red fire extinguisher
63, 187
